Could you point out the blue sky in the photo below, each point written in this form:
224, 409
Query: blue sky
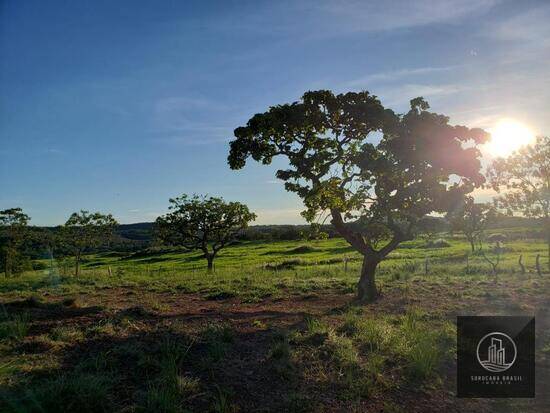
117, 106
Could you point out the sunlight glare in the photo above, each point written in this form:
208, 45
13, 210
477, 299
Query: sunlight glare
507, 136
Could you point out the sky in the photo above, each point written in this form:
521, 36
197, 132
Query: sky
116, 106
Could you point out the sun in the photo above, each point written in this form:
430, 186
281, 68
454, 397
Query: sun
507, 136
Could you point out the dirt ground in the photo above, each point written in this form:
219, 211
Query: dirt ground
149, 315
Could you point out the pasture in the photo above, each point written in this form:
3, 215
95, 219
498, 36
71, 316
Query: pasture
274, 328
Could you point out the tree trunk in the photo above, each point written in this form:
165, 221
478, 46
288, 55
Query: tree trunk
210, 259
366, 288
77, 265
472, 245
7, 268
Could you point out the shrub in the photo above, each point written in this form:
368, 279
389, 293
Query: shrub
161, 398
285, 264
341, 351
497, 237
66, 334
85, 393
374, 334
438, 243
14, 327
39, 265
280, 358
422, 347
218, 332
423, 356
303, 249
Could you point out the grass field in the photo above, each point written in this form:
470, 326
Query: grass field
274, 328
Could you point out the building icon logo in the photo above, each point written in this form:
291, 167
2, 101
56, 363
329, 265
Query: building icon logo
496, 352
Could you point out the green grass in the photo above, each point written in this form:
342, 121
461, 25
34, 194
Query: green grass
120, 342
14, 327
253, 271
358, 352
86, 393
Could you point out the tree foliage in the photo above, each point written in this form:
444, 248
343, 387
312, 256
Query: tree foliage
13, 232
204, 223
471, 219
523, 179
354, 159
84, 230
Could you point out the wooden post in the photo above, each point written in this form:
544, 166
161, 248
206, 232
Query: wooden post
426, 266
345, 265
539, 271
467, 263
521, 264
109, 271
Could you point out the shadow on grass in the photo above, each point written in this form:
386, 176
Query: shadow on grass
153, 367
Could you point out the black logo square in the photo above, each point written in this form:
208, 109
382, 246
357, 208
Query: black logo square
496, 356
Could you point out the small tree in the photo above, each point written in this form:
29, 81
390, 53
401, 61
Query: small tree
471, 219
206, 224
430, 226
524, 179
418, 166
314, 233
84, 230
495, 250
13, 231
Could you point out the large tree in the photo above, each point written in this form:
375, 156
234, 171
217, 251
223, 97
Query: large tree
353, 159
524, 180
86, 231
13, 231
471, 219
204, 223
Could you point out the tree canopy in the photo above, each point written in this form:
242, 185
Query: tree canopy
352, 158
523, 179
471, 219
13, 230
204, 223
84, 230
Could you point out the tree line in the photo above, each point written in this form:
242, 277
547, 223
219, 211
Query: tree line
376, 193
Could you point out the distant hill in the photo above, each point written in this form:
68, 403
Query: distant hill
134, 237
141, 231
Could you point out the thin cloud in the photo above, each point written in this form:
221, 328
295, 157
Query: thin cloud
395, 75
188, 121
279, 216
391, 15
530, 26
329, 18
183, 103
399, 95
191, 140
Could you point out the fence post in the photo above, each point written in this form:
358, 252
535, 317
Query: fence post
539, 271
426, 266
521, 264
110, 271
345, 265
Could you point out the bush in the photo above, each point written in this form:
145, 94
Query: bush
86, 393
438, 243
497, 237
39, 265
284, 265
14, 327
303, 249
